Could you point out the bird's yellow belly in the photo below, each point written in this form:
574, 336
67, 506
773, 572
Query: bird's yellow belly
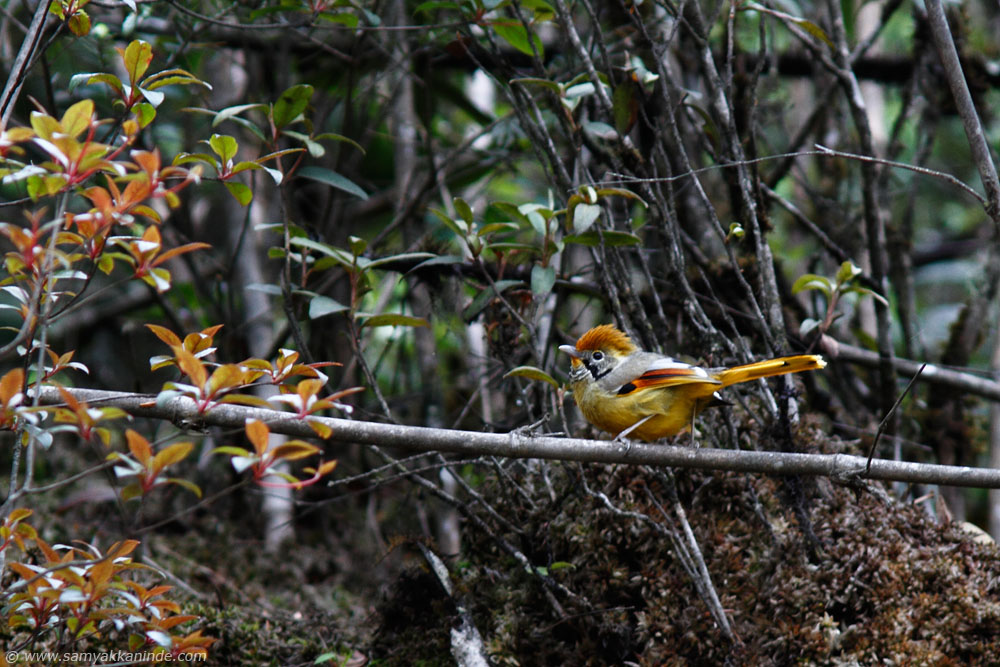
669, 412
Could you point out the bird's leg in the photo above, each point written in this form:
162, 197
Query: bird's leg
694, 414
622, 437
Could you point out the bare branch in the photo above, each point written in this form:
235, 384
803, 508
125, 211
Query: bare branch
182, 410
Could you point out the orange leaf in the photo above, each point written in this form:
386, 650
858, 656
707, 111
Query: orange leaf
258, 433
294, 449
172, 454
139, 447
164, 334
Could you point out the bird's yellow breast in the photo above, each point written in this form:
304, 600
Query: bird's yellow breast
671, 409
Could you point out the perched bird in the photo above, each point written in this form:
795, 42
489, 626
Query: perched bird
628, 392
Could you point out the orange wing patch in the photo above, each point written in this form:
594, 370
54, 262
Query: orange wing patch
667, 377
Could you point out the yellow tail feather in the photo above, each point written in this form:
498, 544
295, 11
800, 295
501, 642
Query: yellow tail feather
763, 369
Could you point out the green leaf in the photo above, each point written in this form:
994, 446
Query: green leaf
315, 148
144, 113
625, 106
458, 227
173, 77
620, 192
190, 486
561, 565
580, 90
232, 451
847, 272
357, 245
485, 296
584, 216
394, 320
401, 257
441, 260
611, 238
868, 292
343, 18
811, 281
342, 256
77, 118
543, 278
464, 210
545, 83
341, 138
136, 58
96, 77
224, 146
242, 193
513, 211
532, 373
291, 104
322, 305
428, 7
514, 33
231, 112
494, 227
333, 179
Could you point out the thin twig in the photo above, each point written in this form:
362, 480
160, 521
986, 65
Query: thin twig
885, 420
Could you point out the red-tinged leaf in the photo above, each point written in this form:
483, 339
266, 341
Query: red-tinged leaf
139, 447
164, 334
171, 455
245, 399
277, 154
190, 486
294, 450
232, 451
136, 56
99, 77
147, 212
101, 571
19, 514
23, 570
191, 367
79, 24
123, 548
174, 621
308, 388
180, 250
258, 434
327, 468
11, 385
321, 429
228, 376
345, 392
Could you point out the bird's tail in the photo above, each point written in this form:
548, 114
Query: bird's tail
763, 369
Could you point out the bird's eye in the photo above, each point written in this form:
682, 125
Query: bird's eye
597, 356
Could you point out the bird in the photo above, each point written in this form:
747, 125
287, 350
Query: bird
629, 392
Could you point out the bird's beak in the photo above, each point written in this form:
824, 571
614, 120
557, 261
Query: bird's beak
570, 350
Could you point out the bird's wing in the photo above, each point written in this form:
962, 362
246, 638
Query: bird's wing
661, 372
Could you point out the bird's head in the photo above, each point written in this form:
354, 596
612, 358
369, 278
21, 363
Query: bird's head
597, 352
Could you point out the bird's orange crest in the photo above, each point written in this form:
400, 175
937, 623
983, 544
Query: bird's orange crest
606, 336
